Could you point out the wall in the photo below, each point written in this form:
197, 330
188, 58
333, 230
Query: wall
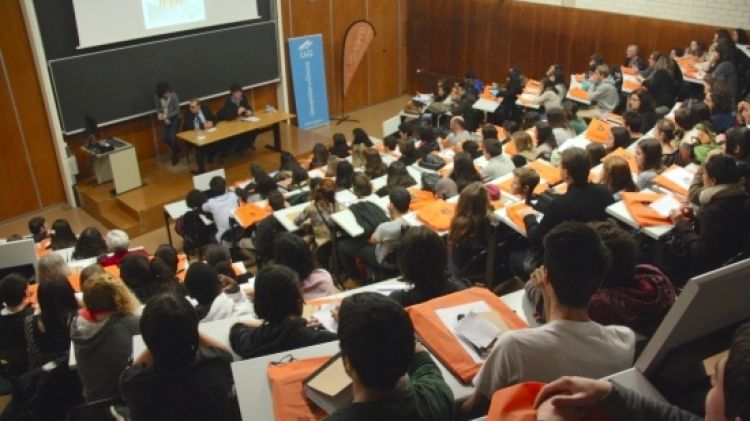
380, 76
488, 36
28, 168
720, 13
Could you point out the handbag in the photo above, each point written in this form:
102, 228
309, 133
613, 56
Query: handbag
432, 162
429, 181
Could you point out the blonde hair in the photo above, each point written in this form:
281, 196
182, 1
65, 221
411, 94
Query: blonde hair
522, 140
104, 292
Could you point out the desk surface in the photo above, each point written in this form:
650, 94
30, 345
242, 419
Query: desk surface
620, 211
225, 129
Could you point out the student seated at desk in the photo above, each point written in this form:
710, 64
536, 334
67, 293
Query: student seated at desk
409, 153
219, 297
464, 172
725, 401
458, 132
137, 272
291, 251
549, 97
524, 145
560, 126
344, 175
571, 111
62, 235
648, 158
378, 350
423, 262
427, 142
16, 308
387, 236
583, 201
278, 303
602, 93
38, 229
570, 343
319, 214
547, 146
374, 165
524, 182
633, 123
497, 164
102, 335
617, 177
51, 264
90, 244
291, 175
641, 102
661, 80
182, 374
470, 147
221, 206
118, 243
319, 156
469, 229
340, 148
397, 176
260, 186
195, 232
261, 242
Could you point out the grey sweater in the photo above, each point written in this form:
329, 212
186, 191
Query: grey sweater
626, 405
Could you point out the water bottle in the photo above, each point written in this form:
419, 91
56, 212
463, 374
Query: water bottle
269, 109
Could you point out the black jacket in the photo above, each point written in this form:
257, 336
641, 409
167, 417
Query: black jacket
661, 86
229, 111
267, 339
580, 203
188, 120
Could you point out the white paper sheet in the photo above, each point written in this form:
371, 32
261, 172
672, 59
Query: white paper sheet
449, 317
679, 176
477, 330
665, 205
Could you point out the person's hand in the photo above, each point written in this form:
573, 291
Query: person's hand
537, 277
549, 412
160, 116
208, 124
314, 323
228, 285
676, 216
240, 110
248, 112
573, 392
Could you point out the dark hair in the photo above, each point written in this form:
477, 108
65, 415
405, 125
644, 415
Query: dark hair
547, 83
471, 214
576, 260
162, 274
422, 260
570, 108
216, 253
576, 162
217, 185
360, 136
493, 147
738, 142
557, 119
647, 101
616, 175
287, 161
632, 121
13, 289
276, 200
162, 88
725, 49
406, 128
510, 126
398, 175
376, 336
234, 88
667, 128
320, 155
89, 244
737, 375
741, 38
530, 118
63, 236
277, 294
545, 134
400, 198
169, 326
723, 168
57, 302
426, 134
651, 149
202, 282
722, 102
292, 251
596, 152
472, 148
135, 270
195, 199
621, 137
701, 113
344, 175
684, 118
623, 252
361, 185
374, 165
390, 142
407, 148
489, 131
36, 224
464, 172
264, 184
168, 255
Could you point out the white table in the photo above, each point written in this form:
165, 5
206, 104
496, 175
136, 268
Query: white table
486, 105
286, 216
620, 211
576, 84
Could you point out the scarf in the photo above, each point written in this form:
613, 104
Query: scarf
709, 193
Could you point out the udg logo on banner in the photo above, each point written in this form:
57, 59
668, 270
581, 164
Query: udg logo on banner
308, 77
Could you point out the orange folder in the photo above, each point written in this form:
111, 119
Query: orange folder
598, 131
249, 214
516, 403
630, 85
515, 213
663, 181
579, 93
437, 215
546, 171
442, 343
637, 205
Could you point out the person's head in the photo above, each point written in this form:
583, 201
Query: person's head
57, 302
471, 213
13, 289
723, 52
135, 270
194, 105
493, 148
52, 264
88, 272
730, 384
398, 175
320, 155
697, 48
287, 161
162, 89
632, 121
118, 241
339, 141
376, 338
472, 148
399, 201
264, 184
640, 100
103, 293
276, 200
718, 102
361, 137
489, 131
464, 170
217, 185
631, 51
407, 147
390, 142
595, 60
595, 152
37, 225
344, 175
168, 255
405, 130
202, 282
575, 262
374, 163
426, 134
422, 259
510, 126
616, 175
738, 142
235, 91
277, 295
575, 166
525, 180
665, 131
601, 72
544, 134
195, 199
325, 193
556, 118
704, 135
216, 253
547, 84
169, 326
457, 124
522, 140
361, 185
63, 233
721, 169
648, 154
530, 118
571, 109
623, 251
684, 118
90, 244
292, 251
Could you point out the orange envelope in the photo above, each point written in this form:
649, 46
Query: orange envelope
637, 205
515, 212
546, 171
579, 93
250, 214
630, 85
598, 131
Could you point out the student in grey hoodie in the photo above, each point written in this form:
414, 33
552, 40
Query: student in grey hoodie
102, 335
602, 93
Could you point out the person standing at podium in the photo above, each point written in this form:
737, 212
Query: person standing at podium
236, 106
200, 117
168, 112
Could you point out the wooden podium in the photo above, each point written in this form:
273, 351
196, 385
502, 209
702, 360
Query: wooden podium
118, 164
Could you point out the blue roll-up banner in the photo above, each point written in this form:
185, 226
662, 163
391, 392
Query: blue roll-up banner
309, 79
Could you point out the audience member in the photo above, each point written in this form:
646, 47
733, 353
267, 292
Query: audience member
51, 264
464, 172
648, 158
16, 308
62, 235
118, 244
89, 244
136, 273
641, 102
291, 251
38, 229
340, 148
617, 177
218, 296
221, 206
469, 229
497, 164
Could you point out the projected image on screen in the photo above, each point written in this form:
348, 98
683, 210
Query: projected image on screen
163, 13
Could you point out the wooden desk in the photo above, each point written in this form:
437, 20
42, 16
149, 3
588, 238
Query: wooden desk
226, 129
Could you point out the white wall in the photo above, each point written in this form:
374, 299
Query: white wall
719, 13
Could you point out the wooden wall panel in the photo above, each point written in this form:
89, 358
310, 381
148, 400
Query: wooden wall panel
383, 60
489, 36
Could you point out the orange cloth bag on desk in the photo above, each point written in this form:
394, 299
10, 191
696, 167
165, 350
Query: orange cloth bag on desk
420, 198
546, 171
637, 205
250, 214
437, 215
442, 343
516, 403
289, 401
598, 131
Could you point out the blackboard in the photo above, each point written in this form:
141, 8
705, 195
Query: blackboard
116, 83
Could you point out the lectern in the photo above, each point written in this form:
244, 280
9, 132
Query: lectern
115, 159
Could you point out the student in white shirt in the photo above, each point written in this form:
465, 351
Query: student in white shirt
221, 206
570, 344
